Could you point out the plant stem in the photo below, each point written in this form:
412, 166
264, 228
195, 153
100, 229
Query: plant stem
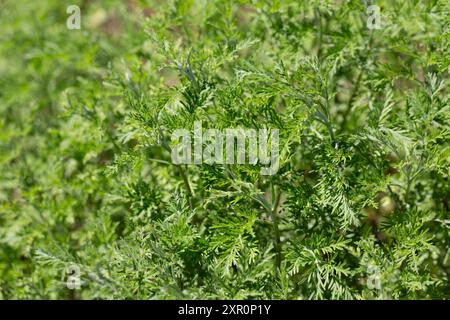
367, 47
186, 184
276, 230
349, 104
318, 19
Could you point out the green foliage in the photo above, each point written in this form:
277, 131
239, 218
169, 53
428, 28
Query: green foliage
86, 176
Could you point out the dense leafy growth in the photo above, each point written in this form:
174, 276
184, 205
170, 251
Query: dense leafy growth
359, 208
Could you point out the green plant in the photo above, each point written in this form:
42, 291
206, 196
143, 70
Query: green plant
87, 179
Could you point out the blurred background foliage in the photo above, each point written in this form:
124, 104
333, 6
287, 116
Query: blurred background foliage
85, 170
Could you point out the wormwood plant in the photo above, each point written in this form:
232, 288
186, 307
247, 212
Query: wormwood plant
357, 210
